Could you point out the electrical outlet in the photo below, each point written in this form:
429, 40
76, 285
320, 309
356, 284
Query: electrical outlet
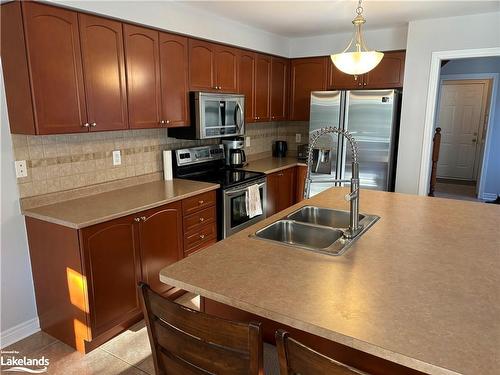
117, 157
298, 137
247, 141
21, 170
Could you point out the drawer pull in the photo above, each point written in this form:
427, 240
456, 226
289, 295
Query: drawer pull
137, 219
201, 201
202, 236
143, 218
202, 219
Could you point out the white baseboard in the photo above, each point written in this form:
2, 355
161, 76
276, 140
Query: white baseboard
489, 196
19, 332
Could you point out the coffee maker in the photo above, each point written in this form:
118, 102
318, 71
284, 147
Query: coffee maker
234, 152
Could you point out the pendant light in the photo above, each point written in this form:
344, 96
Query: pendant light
356, 59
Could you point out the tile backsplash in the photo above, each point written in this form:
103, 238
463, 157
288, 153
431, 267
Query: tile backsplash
63, 162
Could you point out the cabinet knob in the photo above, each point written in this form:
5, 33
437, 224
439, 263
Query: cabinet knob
364, 83
280, 174
202, 219
93, 124
162, 122
202, 236
137, 219
86, 125
143, 218
168, 121
201, 201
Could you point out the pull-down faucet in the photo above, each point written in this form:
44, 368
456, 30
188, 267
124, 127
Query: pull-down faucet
353, 196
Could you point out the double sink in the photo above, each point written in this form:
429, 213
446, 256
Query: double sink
315, 229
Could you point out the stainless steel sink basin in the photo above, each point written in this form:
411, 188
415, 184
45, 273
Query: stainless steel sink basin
315, 229
323, 216
302, 235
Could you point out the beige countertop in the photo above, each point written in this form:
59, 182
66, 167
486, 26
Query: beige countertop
94, 209
420, 288
271, 164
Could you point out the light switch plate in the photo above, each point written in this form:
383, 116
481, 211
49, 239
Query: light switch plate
247, 141
298, 137
117, 157
21, 170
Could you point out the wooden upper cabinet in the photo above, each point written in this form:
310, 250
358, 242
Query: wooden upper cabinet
174, 80
112, 268
338, 80
54, 58
104, 72
388, 73
279, 88
246, 82
262, 88
143, 76
160, 238
307, 75
201, 65
226, 68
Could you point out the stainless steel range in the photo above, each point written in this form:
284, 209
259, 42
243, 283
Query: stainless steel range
207, 163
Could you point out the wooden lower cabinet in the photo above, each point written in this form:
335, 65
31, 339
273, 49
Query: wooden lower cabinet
281, 190
86, 279
301, 174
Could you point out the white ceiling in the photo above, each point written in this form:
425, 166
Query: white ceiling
317, 17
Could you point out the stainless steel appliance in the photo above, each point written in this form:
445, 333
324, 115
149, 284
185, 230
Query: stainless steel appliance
237, 158
207, 163
236, 143
213, 115
371, 116
280, 148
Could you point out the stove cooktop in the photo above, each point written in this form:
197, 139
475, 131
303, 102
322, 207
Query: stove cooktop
227, 177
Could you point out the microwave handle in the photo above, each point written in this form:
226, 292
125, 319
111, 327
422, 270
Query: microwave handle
238, 109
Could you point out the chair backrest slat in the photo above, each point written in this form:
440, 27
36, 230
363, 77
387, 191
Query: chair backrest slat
296, 358
185, 341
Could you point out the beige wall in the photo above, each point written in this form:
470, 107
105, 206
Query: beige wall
63, 162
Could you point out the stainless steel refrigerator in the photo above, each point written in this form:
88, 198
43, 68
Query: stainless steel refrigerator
372, 116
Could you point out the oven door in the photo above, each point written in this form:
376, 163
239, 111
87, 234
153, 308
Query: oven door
221, 115
235, 217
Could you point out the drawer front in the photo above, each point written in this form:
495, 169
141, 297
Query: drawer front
200, 218
199, 236
198, 202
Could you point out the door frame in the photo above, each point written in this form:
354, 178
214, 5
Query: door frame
480, 164
432, 105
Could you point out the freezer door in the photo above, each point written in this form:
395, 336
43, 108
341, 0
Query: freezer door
326, 110
370, 117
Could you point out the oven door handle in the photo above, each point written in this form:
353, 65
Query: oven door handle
232, 193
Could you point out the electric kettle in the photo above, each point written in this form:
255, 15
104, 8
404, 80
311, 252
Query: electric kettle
237, 158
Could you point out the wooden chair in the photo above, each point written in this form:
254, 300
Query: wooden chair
189, 342
296, 358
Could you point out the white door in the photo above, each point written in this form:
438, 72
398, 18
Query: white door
461, 113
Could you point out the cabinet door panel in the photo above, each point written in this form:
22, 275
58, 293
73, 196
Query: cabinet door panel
226, 65
201, 65
104, 72
388, 73
338, 80
262, 88
279, 89
112, 269
174, 79
143, 76
160, 237
272, 194
54, 56
286, 194
246, 71
309, 74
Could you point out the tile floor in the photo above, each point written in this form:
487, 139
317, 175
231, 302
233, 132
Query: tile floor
127, 354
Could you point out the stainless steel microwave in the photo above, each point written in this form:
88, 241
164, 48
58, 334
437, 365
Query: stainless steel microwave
213, 115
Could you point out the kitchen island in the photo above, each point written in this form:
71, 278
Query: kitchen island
421, 288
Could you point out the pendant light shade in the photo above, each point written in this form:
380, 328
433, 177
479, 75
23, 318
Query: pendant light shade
356, 59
